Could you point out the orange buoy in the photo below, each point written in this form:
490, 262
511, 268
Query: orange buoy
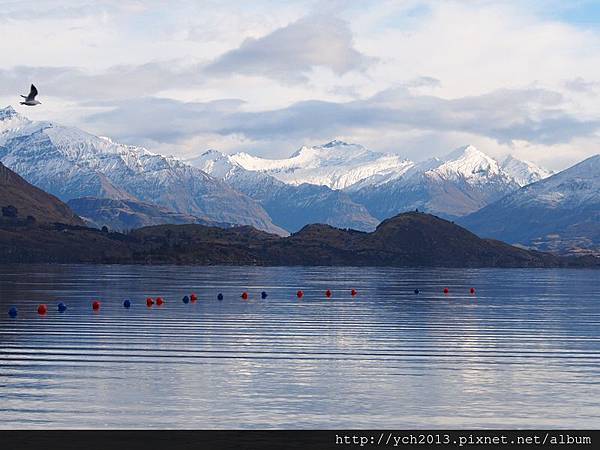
299, 294
96, 305
328, 293
472, 290
42, 309
245, 295
193, 297
446, 290
149, 301
159, 301
353, 292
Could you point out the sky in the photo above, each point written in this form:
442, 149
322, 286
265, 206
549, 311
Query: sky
416, 78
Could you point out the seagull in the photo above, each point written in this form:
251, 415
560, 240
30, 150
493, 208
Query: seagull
30, 99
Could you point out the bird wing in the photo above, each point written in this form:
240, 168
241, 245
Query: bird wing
32, 93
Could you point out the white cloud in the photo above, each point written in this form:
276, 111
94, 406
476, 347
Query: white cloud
410, 76
291, 52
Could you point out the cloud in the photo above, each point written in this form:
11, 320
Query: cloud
422, 81
161, 120
580, 85
122, 81
291, 52
411, 76
506, 115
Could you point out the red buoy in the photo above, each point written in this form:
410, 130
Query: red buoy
299, 294
328, 293
159, 301
446, 290
472, 290
193, 297
245, 295
149, 301
42, 309
96, 305
353, 292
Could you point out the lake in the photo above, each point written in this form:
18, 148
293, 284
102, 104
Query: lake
524, 351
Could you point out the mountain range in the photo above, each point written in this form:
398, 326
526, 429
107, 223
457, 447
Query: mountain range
559, 214
56, 234
339, 184
368, 186
70, 163
290, 206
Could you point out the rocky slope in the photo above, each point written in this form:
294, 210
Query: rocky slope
124, 215
19, 200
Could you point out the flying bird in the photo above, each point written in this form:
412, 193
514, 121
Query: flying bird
30, 98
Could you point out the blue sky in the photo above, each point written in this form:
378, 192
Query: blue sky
414, 77
580, 13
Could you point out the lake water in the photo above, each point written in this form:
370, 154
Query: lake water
523, 352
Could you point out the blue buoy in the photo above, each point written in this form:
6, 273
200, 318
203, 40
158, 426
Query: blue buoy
12, 312
185, 299
61, 307
126, 304
263, 295
417, 291
220, 297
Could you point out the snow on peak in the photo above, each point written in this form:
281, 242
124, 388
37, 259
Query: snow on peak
467, 162
569, 189
465, 165
12, 124
8, 113
342, 165
72, 163
336, 164
335, 143
215, 163
524, 172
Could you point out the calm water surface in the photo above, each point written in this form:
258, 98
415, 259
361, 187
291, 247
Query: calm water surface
523, 352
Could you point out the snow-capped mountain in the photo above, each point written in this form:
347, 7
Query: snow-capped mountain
71, 163
336, 165
560, 213
340, 184
523, 172
455, 185
340, 165
458, 184
290, 206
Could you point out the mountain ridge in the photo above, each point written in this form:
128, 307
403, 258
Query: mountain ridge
341, 165
453, 185
559, 213
409, 239
123, 215
70, 163
290, 206
21, 200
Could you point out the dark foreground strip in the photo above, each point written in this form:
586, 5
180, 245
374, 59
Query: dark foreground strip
301, 439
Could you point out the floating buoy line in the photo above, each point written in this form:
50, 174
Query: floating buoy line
42, 308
